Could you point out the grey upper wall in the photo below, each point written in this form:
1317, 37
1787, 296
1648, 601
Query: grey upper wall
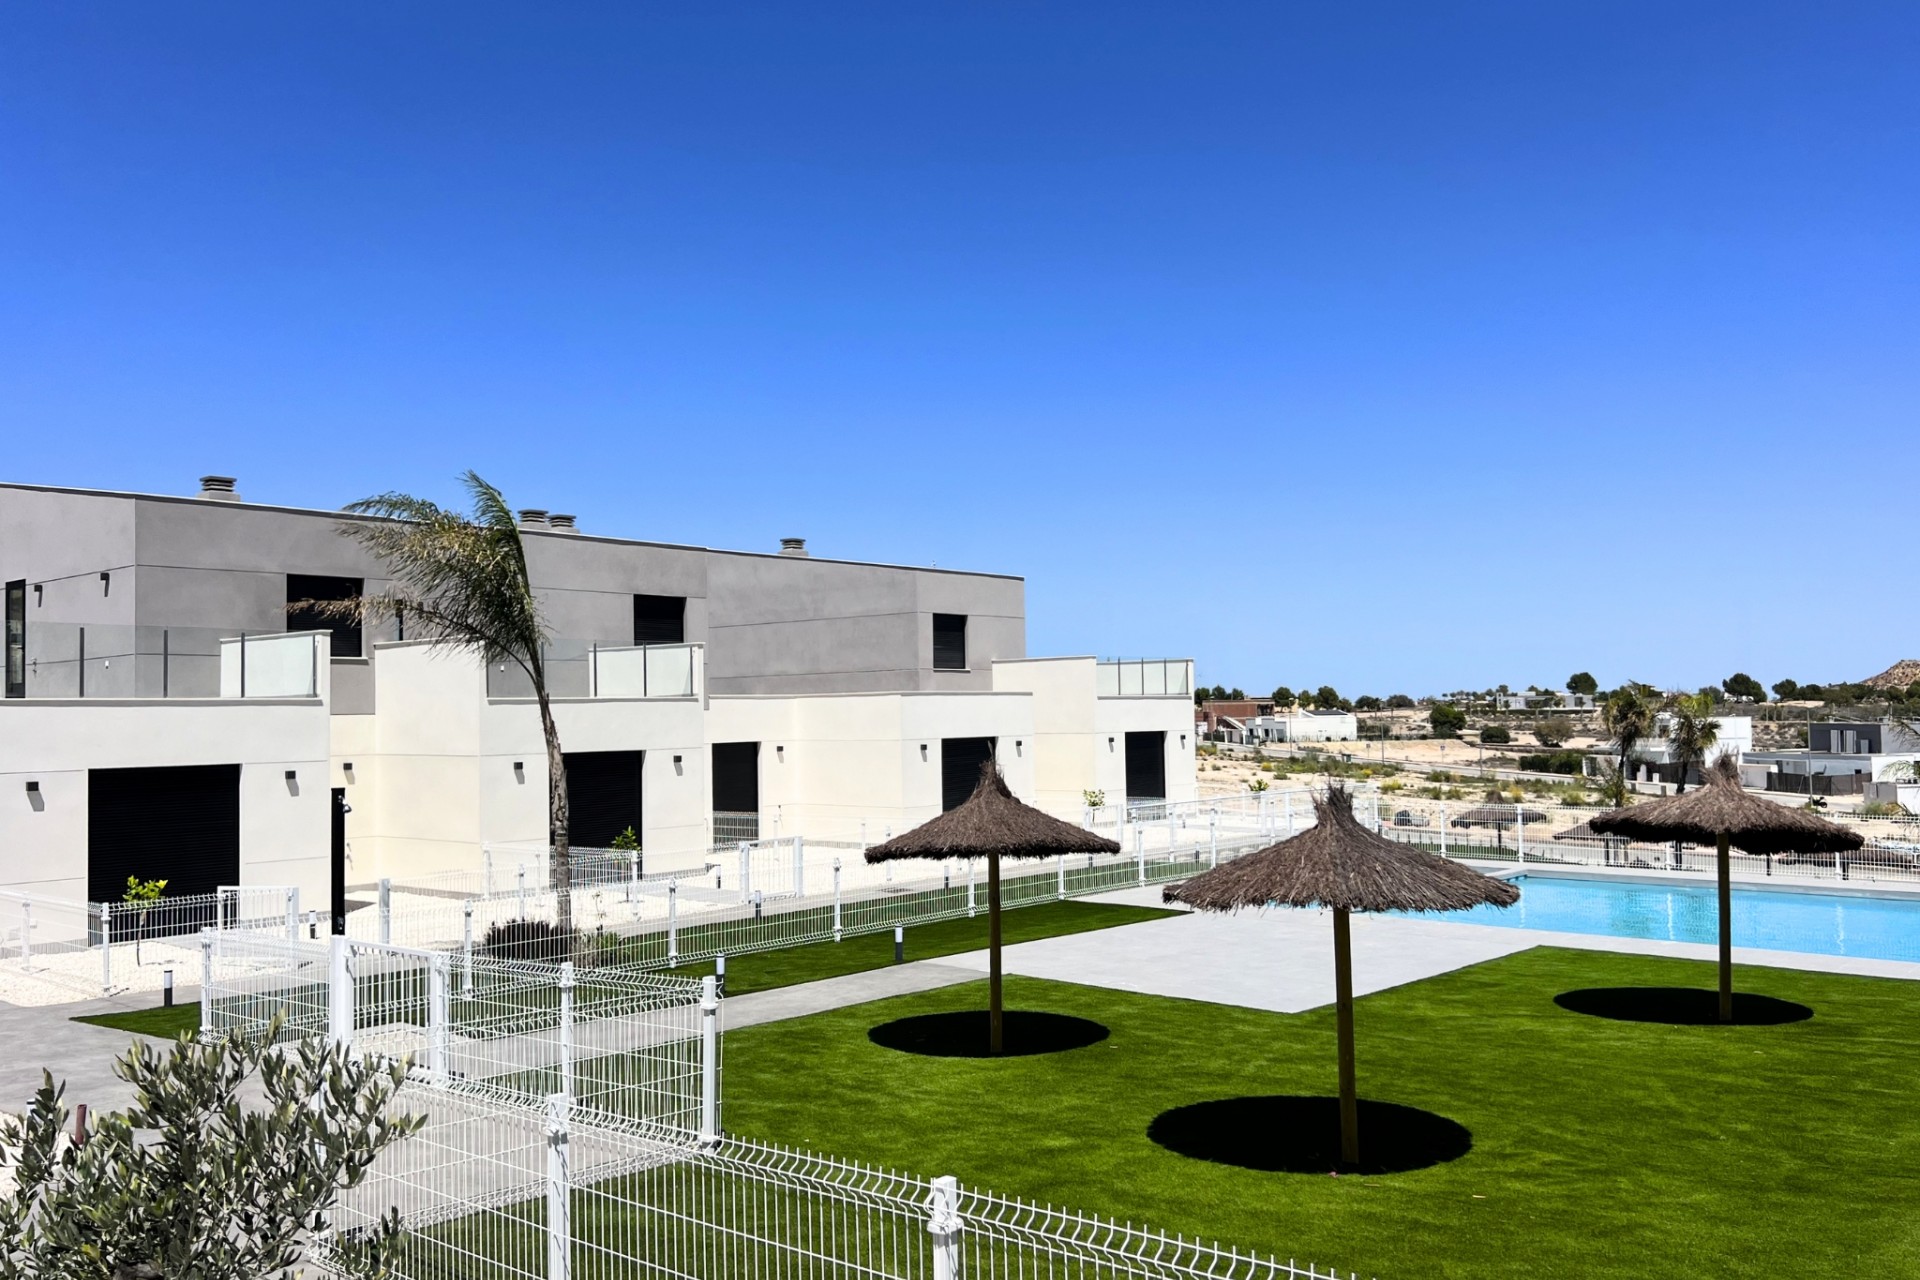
771, 623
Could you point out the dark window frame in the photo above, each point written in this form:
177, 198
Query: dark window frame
656, 623
348, 638
944, 628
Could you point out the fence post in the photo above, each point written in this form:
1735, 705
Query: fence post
746, 872
106, 947
1213, 836
943, 1223
1060, 876
559, 1187
1520, 832
799, 866
486, 868
1443, 830
633, 875
466, 951
1289, 799
970, 906
439, 1016
1140, 850
293, 913
339, 992
836, 899
521, 874
26, 933
206, 983
386, 911
709, 1061
566, 1028
673, 921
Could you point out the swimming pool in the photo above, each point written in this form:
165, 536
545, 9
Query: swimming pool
1827, 924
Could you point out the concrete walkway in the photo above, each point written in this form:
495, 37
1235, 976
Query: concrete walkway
854, 988
46, 1037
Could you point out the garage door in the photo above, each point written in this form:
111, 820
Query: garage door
179, 824
960, 761
603, 796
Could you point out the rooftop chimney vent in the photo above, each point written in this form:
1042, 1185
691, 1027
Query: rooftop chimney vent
217, 489
561, 524
794, 547
533, 518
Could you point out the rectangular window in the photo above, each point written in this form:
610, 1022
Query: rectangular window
659, 619
305, 591
949, 642
17, 639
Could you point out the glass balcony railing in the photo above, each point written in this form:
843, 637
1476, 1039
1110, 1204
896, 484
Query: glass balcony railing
580, 669
1143, 677
121, 660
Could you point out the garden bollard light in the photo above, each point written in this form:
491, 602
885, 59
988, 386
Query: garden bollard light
720, 974
899, 944
166, 988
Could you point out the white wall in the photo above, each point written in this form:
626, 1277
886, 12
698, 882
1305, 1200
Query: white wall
284, 828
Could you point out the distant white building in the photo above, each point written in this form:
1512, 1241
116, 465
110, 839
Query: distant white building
1304, 726
1654, 759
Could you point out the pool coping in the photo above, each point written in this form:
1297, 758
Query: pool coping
1703, 876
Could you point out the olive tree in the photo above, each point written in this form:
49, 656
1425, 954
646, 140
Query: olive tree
189, 1182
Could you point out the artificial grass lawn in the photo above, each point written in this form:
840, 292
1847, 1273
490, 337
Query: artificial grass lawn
1600, 1148
181, 1019
764, 970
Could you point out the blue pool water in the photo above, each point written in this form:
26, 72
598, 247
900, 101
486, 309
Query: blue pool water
1821, 923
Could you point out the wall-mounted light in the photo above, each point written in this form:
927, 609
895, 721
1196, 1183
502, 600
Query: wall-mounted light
293, 775
1183, 740
39, 589
923, 751
33, 788
780, 752
519, 770
1017, 744
106, 582
1109, 744
346, 767
676, 759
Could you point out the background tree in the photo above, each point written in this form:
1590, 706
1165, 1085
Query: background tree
1367, 702
461, 580
188, 1182
1582, 682
1236, 694
1694, 732
1743, 687
1447, 720
1328, 699
1282, 696
1553, 731
1627, 717
1399, 702
1785, 690
141, 894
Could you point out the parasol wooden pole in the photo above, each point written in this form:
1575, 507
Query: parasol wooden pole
1726, 932
1343, 1025
995, 1039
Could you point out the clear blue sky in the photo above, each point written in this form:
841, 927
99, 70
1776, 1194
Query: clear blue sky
1392, 346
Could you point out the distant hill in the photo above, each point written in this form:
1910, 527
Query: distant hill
1900, 675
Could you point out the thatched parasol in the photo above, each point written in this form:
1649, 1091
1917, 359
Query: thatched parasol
992, 824
1497, 815
1340, 864
1722, 814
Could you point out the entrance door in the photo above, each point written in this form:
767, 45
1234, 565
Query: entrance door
337, 883
1146, 766
960, 763
603, 796
179, 824
736, 792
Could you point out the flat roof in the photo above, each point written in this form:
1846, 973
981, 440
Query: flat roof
212, 504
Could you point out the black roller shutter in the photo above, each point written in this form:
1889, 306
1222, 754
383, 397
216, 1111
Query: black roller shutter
1147, 766
659, 620
736, 777
949, 642
960, 761
178, 824
603, 796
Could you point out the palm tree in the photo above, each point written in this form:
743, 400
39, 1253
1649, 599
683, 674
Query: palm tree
462, 580
1627, 717
1694, 732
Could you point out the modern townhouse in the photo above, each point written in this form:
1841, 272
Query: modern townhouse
173, 709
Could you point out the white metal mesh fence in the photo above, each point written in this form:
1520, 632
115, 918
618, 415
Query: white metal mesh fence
492, 1190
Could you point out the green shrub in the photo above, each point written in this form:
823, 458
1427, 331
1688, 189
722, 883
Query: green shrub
1567, 762
528, 940
1496, 733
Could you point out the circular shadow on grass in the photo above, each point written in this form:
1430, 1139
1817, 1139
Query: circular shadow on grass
1286, 1133
1680, 1006
965, 1034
